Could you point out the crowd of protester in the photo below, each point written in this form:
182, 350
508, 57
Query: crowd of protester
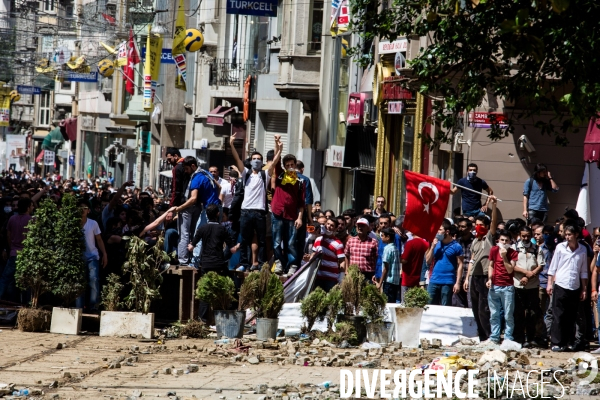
526, 278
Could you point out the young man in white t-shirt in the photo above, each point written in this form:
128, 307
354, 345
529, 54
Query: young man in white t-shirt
91, 256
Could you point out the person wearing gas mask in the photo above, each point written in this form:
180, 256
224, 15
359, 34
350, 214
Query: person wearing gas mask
471, 202
528, 313
287, 208
254, 205
477, 274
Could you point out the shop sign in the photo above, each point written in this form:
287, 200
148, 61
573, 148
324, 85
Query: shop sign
393, 47
48, 157
356, 108
23, 89
165, 58
396, 107
334, 157
262, 8
80, 76
484, 119
394, 91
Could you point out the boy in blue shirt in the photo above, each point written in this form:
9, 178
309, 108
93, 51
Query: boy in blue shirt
390, 276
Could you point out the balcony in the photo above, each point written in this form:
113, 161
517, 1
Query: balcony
225, 72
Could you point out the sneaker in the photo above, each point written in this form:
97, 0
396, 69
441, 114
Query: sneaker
255, 268
278, 268
558, 349
293, 269
241, 268
526, 345
597, 351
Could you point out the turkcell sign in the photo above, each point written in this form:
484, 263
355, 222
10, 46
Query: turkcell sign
165, 58
23, 89
262, 8
81, 76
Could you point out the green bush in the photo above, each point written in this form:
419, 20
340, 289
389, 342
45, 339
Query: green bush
352, 286
111, 293
216, 290
68, 275
373, 304
416, 297
343, 331
263, 292
334, 305
313, 307
37, 260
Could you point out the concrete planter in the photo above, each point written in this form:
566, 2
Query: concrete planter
66, 320
408, 326
117, 323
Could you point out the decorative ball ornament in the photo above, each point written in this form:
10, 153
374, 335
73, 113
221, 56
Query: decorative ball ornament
15, 96
106, 68
344, 47
193, 40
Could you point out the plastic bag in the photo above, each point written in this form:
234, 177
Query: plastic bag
370, 345
508, 345
453, 363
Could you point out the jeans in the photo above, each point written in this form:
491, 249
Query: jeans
92, 269
473, 213
7, 279
171, 240
392, 292
252, 221
543, 327
184, 224
440, 294
284, 241
502, 299
541, 215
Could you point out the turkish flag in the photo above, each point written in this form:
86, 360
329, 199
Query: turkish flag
426, 203
133, 58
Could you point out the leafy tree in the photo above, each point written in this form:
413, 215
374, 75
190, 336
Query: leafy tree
111, 293
541, 54
373, 304
263, 292
68, 276
313, 307
37, 260
216, 290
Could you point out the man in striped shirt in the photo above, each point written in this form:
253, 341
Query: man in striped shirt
333, 260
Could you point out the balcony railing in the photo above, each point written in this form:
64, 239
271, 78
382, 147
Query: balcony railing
225, 72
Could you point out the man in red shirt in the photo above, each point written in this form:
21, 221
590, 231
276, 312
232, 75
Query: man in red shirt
333, 260
287, 208
412, 263
362, 250
501, 295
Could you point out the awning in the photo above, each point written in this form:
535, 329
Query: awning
120, 130
53, 139
217, 116
591, 145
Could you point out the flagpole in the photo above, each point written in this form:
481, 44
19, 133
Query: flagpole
471, 190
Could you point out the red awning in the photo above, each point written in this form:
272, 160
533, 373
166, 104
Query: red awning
591, 146
217, 116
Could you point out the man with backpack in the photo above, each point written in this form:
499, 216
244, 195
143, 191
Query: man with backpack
535, 197
254, 206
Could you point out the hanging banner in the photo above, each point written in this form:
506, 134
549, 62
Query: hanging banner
179, 48
340, 17
23, 89
262, 8
181, 72
122, 55
72, 76
16, 146
49, 157
4, 105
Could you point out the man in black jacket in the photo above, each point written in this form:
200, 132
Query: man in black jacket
180, 178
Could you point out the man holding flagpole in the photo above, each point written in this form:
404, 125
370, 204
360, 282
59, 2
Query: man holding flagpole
471, 200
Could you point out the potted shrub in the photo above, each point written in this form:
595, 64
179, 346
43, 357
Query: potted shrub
143, 265
111, 293
218, 291
334, 305
313, 308
34, 266
263, 292
68, 275
352, 287
373, 305
408, 317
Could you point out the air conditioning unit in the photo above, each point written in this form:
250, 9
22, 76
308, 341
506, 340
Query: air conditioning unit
210, 142
106, 85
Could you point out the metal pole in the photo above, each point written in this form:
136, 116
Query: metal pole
335, 90
471, 190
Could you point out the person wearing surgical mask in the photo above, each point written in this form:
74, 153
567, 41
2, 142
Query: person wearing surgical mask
543, 241
448, 257
333, 260
471, 202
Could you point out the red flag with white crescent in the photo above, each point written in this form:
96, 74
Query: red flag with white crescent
426, 203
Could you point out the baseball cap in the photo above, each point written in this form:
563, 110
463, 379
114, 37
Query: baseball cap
362, 221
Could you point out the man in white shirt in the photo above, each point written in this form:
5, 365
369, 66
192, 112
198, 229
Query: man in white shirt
91, 256
567, 282
226, 195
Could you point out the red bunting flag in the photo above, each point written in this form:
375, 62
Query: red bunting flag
133, 58
426, 204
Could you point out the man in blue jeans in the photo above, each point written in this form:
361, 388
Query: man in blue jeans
501, 294
448, 259
91, 256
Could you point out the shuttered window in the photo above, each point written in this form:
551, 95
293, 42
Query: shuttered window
276, 124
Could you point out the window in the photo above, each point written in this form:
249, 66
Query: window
44, 109
66, 85
315, 28
48, 5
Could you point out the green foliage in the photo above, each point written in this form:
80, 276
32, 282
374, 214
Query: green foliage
263, 292
334, 304
195, 329
343, 331
143, 266
416, 297
68, 275
111, 293
216, 290
313, 307
352, 286
38, 258
540, 54
373, 304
